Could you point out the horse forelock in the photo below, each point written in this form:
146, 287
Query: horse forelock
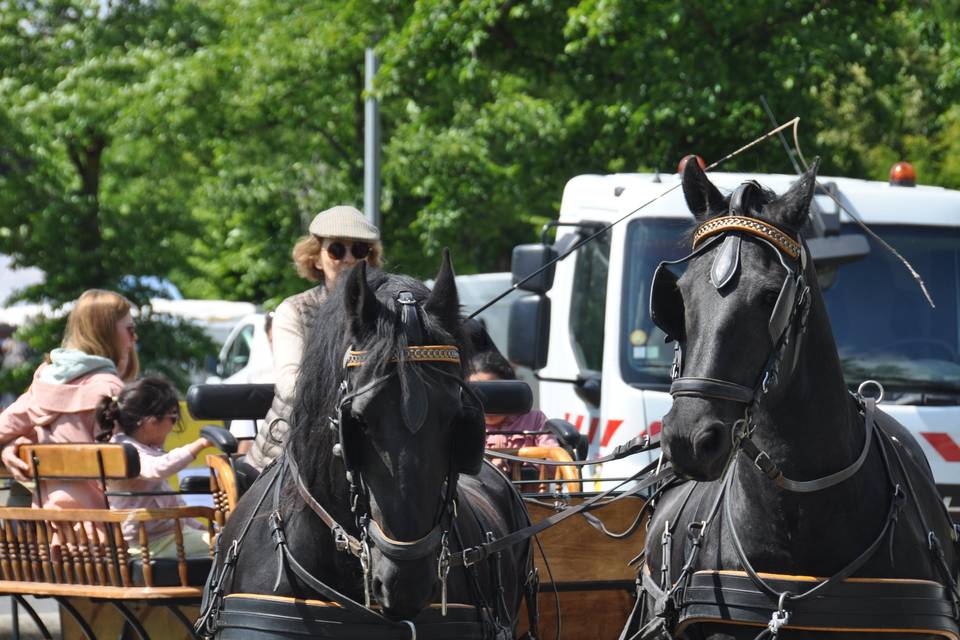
321, 372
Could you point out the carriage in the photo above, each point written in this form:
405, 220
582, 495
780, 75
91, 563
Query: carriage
751, 482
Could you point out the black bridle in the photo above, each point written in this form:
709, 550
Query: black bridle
787, 320
786, 328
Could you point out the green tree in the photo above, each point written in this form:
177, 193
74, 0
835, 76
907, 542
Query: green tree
87, 192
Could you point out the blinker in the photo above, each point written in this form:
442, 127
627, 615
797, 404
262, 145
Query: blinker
726, 263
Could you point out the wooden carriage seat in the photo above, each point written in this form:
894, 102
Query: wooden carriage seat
569, 475
223, 487
82, 552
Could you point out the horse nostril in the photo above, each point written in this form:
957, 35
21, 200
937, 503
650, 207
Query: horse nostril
710, 441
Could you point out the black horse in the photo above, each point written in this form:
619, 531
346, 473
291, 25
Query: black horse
368, 500
787, 473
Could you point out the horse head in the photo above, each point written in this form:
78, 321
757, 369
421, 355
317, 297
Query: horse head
736, 314
408, 426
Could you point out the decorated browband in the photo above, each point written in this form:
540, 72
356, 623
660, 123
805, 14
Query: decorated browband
427, 353
759, 228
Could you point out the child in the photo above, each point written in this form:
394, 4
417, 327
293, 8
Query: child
143, 414
507, 432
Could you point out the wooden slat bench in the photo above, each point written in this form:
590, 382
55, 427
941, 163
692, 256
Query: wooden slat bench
73, 555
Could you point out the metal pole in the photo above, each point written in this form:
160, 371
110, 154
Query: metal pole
371, 142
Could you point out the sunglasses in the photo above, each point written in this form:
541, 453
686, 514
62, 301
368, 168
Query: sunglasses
131, 330
338, 250
172, 417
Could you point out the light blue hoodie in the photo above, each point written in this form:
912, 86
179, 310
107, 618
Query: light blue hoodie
69, 364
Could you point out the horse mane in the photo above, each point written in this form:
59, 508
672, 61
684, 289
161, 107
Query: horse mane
328, 338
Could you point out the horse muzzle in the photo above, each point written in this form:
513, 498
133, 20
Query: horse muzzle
697, 443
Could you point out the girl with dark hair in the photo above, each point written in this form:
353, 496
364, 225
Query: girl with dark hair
143, 414
508, 432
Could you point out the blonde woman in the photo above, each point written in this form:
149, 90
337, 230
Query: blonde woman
98, 355
338, 239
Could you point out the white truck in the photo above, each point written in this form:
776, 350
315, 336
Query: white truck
602, 365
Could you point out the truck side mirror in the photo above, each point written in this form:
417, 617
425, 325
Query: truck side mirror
528, 336
527, 258
588, 387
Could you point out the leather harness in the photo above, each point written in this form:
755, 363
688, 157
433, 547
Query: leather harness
686, 600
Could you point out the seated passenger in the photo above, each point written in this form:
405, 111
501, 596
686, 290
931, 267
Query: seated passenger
97, 356
503, 431
143, 414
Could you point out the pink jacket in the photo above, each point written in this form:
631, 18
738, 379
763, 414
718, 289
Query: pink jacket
60, 413
156, 466
509, 434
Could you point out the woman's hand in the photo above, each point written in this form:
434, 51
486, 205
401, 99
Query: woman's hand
17, 467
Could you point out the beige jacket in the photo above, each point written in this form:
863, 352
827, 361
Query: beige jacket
291, 324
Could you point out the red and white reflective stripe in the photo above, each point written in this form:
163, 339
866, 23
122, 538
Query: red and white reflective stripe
943, 444
610, 428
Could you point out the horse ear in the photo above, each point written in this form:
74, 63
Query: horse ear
793, 207
443, 301
703, 199
360, 301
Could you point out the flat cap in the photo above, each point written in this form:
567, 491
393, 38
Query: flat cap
345, 222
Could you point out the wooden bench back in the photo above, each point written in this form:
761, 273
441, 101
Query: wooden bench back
83, 551
81, 461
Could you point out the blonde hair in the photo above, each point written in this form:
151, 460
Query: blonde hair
92, 328
308, 249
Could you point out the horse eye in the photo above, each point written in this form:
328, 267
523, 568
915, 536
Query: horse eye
769, 298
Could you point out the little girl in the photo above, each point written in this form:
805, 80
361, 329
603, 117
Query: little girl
143, 414
507, 432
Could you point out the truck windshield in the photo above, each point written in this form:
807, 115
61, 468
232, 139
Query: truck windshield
883, 326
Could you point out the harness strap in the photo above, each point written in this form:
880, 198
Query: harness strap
403, 550
480, 552
896, 503
770, 469
636, 445
711, 388
309, 579
343, 540
213, 589
933, 543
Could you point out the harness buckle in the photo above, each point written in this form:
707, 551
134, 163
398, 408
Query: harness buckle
232, 553
365, 566
695, 531
765, 464
780, 617
276, 529
933, 542
340, 540
443, 570
472, 556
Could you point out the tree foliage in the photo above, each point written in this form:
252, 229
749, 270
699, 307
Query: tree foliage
197, 139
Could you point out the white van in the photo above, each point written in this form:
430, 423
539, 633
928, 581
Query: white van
603, 365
